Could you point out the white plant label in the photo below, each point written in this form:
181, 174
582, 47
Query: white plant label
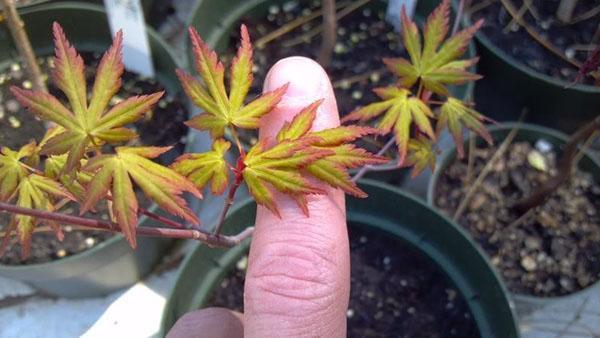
128, 16
392, 14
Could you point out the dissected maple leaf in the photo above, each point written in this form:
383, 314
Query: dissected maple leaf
34, 192
85, 125
12, 169
219, 109
332, 169
401, 111
421, 154
54, 168
115, 172
279, 167
435, 62
201, 168
455, 114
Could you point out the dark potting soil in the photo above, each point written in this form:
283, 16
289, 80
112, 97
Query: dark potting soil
556, 249
569, 38
395, 292
163, 126
364, 38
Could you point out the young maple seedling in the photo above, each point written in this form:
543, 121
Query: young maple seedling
408, 107
80, 159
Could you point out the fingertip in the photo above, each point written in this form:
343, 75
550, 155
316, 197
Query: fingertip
307, 82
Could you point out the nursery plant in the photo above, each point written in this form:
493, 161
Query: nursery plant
86, 159
419, 107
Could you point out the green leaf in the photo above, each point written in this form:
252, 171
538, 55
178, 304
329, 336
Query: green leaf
12, 169
219, 109
84, 127
115, 173
436, 63
401, 112
204, 167
421, 154
455, 115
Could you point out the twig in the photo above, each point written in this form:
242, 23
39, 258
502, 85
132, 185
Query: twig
565, 168
513, 12
367, 168
95, 224
17, 29
329, 35
521, 219
485, 171
586, 15
471, 157
479, 6
228, 202
519, 15
315, 31
458, 19
565, 10
290, 26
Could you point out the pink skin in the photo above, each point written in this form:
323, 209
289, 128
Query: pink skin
298, 279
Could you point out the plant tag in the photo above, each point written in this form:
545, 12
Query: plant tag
128, 16
392, 15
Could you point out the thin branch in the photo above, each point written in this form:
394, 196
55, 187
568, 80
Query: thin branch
228, 202
368, 168
479, 6
565, 168
290, 26
458, 19
536, 36
96, 224
315, 31
584, 16
471, 157
565, 10
485, 171
329, 35
519, 15
17, 29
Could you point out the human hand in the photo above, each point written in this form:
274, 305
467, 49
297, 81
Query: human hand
298, 278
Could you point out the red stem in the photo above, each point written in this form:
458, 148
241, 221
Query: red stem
230, 195
195, 234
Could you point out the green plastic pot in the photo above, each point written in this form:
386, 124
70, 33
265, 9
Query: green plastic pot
551, 102
111, 265
529, 133
215, 20
388, 210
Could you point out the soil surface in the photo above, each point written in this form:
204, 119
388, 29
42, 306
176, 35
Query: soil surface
163, 126
556, 249
395, 291
574, 39
364, 38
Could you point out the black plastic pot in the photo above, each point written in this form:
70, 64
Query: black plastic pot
530, 133
551, 102
388, 210
111, 265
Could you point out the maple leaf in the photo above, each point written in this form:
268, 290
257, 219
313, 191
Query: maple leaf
219, 109
201, 168
435, 62
279, 167
85, 125
115, 173
455, 114
331, 169
421, 154
401, 111
75, 182
34, 192
12, 169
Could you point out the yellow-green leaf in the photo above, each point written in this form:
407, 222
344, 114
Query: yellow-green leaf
211, 166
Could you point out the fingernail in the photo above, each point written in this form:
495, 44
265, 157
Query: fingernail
305, 77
